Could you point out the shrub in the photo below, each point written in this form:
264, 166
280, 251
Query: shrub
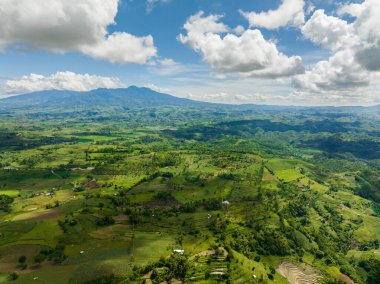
5, 202
105, 221
22, 259
39, 258
13, 276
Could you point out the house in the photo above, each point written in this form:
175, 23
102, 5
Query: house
179, 251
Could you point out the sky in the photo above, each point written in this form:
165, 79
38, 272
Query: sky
278, 52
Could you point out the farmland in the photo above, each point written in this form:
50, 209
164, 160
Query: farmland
248, 199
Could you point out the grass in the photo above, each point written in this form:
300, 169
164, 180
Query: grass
284, 164
45, 232
3, 278
10, 192
61, 274
98, 250
289, 174
119, 253
13, 231
9, 255
245, 268
195, 244
370, 229
149, 247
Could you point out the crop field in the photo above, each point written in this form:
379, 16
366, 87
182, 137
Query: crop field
122, 203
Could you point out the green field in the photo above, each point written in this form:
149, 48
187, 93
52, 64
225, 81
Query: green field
115, 200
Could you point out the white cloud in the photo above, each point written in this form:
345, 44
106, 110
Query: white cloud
167, 62
353, 69
157, 89
365, 96
310, 8
235, 90
71, 25
248, 54
367, 28
58, 81
249, 91
328, 31
123, 48
198, 24
56, 25
239, 30
150, 4
231, 97
169, 67
352, 9
362, 36
339, 72
290, 12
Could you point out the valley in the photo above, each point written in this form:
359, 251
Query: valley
189, 194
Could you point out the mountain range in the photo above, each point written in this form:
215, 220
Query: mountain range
131, 97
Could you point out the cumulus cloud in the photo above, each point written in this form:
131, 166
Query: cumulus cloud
340, 71
247, 53
354, 66
328, 31
58, 81
367, 28
71, 25
353, 9
122, 48
290, 12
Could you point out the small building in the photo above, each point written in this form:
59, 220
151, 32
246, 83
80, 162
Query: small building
179, 251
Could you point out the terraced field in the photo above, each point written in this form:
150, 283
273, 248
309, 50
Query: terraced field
209, 265
299, 274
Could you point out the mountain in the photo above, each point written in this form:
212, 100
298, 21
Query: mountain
132, 97
140, 97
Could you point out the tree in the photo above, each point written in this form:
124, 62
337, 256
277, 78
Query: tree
5, 202
39, 258
22, 259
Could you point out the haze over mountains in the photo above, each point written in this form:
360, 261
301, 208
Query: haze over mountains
132, 97
90, 182
128, 98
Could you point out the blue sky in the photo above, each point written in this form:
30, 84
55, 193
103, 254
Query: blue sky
284, 51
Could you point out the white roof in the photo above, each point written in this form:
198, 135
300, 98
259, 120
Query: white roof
180, 251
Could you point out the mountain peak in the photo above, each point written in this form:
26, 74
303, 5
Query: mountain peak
131, 97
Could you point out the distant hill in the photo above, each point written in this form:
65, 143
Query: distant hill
132, 97
140, 97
